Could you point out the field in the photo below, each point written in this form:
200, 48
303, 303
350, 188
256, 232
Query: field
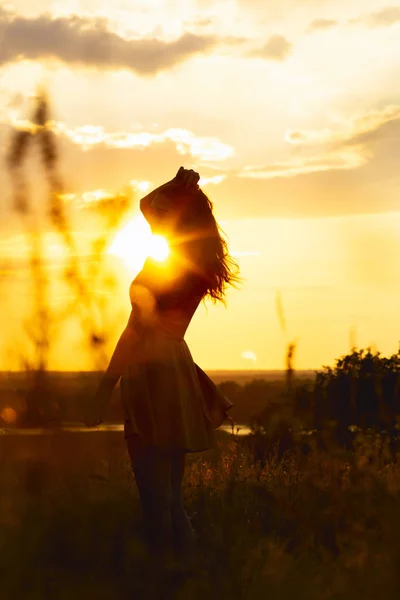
318, 525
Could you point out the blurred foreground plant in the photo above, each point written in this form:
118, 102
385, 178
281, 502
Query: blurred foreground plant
43, 324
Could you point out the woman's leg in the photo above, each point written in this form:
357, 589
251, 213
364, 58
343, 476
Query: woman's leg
152, 470
184, 535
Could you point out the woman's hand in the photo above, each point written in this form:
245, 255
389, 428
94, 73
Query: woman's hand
92, 422
94, 410
188, 177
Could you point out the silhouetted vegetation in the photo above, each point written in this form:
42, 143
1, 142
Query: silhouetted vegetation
358, 396
323, 525
81, 277
362, 390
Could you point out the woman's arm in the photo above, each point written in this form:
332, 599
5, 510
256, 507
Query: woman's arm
119, 360
157, 205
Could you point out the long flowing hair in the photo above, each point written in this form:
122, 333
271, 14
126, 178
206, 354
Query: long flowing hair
204, 247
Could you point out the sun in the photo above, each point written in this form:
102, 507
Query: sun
135, 242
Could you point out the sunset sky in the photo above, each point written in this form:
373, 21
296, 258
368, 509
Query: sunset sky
290, 111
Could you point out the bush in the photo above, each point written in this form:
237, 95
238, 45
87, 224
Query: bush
361, 390
360, 395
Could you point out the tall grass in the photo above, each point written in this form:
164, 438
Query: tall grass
325, 525
50, 214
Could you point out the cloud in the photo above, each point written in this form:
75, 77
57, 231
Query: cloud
215, 180
303, 166
366, 127
89, 42
321, 25
186, 142
330, 171
314, 152
111, 167
200, 22
330, 150
375, 126
382, 18
277, 48
139, 187
296, 137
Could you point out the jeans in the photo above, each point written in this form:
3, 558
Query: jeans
159, 477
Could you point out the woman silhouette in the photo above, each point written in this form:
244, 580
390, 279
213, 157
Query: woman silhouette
171, 406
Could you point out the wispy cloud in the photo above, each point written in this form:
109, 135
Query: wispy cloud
382, 18
200, 22
358, 130
96, 196
214, 180
89, 42
91, 136
92, 197
321, 25
325, 150
374, 126
186, 142
303, 166
276, 48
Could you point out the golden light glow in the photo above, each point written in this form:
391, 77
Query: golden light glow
135, 242
141, 186
159, 248
95, 196
8, 415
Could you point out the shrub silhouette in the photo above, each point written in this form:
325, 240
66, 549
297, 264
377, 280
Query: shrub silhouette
358, 396
361, 390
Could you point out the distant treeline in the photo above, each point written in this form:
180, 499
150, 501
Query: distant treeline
51, 397
360, 392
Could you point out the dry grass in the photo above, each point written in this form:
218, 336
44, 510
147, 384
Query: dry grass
316, 526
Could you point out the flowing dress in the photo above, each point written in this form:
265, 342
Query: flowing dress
169, 401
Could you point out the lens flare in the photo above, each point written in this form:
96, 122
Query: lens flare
158, 248
135, 242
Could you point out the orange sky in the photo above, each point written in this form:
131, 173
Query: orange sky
290, 111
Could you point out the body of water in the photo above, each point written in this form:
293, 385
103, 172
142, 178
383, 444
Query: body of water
239, 429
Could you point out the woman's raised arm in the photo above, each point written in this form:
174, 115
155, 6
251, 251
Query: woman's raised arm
158, 203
